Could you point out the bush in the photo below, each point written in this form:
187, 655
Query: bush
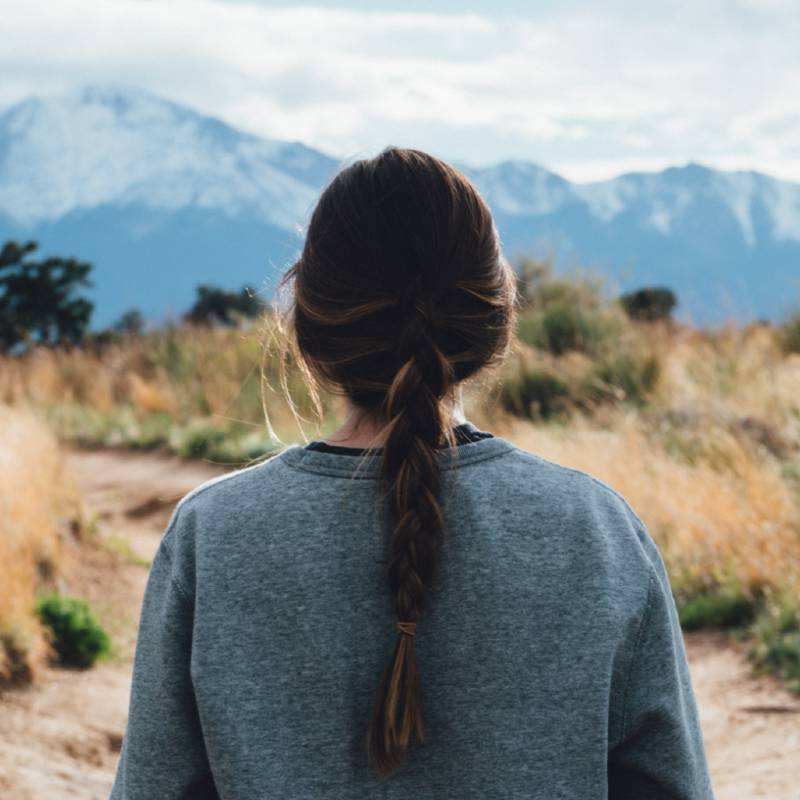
77, 637
560, 315
199, 441
124, 427
724, 608
650, 304
534, 393
777, 641
564, 327
625, 376
121, 426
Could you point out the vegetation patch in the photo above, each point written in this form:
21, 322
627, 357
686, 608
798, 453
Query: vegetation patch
77, 637
777, 641
535, 394
623, 376
560, 315
724, 608
697, 428
126, 426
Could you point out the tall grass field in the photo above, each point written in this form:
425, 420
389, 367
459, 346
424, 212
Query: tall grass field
698, 429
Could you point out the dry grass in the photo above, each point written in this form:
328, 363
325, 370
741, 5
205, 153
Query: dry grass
733, 373
708, 454
37, 502
698, 430
140, 390
182, 372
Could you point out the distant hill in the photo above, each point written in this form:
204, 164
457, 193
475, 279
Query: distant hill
161, 198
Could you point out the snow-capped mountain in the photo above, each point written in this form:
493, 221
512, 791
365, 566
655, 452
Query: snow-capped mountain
99, 146
661, 200
161, 198
727, 242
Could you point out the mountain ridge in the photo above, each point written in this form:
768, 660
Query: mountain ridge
156, 194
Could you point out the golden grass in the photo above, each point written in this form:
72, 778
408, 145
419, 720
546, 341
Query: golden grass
37, 500
704, 461
187, 373
734, 372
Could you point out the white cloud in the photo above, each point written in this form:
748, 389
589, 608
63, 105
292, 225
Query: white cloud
589, 89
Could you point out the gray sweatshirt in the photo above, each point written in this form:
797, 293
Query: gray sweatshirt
551, 659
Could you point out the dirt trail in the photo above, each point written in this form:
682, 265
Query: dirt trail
61, 739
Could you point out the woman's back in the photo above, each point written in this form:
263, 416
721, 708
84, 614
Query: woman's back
550, 656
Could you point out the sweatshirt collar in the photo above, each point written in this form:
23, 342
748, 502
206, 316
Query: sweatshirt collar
369, 467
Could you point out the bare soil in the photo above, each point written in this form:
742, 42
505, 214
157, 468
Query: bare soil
60, 738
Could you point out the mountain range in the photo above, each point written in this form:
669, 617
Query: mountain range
160, 198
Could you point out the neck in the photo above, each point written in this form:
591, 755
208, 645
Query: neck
358, 430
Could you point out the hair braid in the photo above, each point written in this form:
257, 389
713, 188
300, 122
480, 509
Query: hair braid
410, 466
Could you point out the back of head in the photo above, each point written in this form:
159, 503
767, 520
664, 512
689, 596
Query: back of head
400, 294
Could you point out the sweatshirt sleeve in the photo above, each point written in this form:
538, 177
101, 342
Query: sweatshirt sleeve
163, 753
660, 754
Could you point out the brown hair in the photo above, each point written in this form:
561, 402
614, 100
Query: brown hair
400, 293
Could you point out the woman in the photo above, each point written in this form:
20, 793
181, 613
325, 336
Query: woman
412, 607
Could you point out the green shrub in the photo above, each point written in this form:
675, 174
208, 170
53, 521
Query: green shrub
727, 607
624, 376
122, 426
534, 393
243, 447
198, 441
566, 326
777, 641
151, 432
559, 314
77, 637
563, 327
229, 443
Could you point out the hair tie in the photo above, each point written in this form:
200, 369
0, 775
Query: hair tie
408, 628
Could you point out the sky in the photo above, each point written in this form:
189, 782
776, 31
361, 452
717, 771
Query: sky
587, 89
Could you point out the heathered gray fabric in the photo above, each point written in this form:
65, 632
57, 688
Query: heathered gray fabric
551, 657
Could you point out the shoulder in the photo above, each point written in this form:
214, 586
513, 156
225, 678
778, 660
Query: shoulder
216, 513
571, 489
583, 505
226, 497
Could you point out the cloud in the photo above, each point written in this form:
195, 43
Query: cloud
587, 89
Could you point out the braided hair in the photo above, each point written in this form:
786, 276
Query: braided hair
400, 294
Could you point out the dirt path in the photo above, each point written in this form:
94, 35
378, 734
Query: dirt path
61, 739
